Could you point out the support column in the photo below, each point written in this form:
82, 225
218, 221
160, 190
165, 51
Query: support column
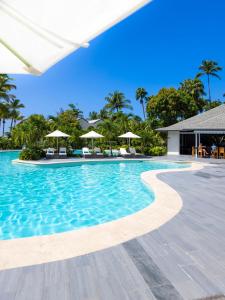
196, 145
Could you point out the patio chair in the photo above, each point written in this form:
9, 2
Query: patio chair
86, 152
62, 152
200, 151
124, 153
97, 151
215, 153
50, 153
221, 152
133, 152
115, 153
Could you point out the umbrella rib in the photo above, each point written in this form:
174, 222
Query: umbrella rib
28, 66
19, 17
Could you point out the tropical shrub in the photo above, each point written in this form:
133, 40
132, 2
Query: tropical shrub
34, 153
6, 143
157, 151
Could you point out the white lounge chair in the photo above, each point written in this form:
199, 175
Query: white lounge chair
62, 152
86, 151
97, 151
123, 152
115, 153
133, 152
50, 153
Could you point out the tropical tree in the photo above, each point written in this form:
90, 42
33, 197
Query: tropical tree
5, 87
141, 95
31, 131
5, 96
4, 115
103, 114
14, 105
195, 88
76, 110
117, 101
93, 115
170, 106
209, 68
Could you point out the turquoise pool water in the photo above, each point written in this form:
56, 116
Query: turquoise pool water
46, 200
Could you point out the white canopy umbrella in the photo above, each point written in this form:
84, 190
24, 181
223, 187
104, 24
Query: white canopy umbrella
57, 134
129, 135
34, 35
92, 135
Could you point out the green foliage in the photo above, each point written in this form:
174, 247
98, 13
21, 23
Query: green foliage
32, 153
157, 151
211, 104
6, 143
116, 102
30, 132
209, 68
141, 96
170, 106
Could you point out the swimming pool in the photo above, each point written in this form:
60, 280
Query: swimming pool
46, 200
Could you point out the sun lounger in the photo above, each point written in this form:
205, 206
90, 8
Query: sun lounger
50, 153
97, 151
62, 152
133, 152
124, 153
86, 152
115, 153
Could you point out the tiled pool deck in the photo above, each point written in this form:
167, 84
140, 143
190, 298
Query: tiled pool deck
183, 259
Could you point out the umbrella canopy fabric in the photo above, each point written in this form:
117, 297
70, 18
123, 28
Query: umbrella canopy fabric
129, 135
57, 133
91, 135
34, 35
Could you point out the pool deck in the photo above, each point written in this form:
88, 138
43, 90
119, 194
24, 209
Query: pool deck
182, 259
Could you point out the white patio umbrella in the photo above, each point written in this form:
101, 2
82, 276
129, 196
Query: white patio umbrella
129, 135
34, 35
92, 135
57, 134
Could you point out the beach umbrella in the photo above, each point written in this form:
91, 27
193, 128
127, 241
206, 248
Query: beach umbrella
92, 135
129, 135
34, 35
57, 134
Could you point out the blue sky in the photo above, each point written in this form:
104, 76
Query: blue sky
158, 46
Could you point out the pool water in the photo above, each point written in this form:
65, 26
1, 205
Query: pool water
46, 200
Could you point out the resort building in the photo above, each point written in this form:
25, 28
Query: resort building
85, 123
207, 128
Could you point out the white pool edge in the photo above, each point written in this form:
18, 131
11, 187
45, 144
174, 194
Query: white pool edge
49, 248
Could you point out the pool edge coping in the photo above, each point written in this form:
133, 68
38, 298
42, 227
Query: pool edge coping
42, 249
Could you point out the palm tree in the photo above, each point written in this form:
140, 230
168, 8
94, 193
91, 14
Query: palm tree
77, 111
93, 115
14, 106
193, 87
209, 68
117, 101
5, 87
141, 95
17, 117
4, 115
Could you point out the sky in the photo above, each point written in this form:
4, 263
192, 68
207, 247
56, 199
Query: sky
159, 46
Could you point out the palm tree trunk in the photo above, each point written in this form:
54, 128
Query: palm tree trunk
3, 127
11, 125
143, 107
209, 90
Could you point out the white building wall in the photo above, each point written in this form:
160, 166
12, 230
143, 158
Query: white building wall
173, 143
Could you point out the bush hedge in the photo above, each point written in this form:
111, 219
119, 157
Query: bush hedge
32, 154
